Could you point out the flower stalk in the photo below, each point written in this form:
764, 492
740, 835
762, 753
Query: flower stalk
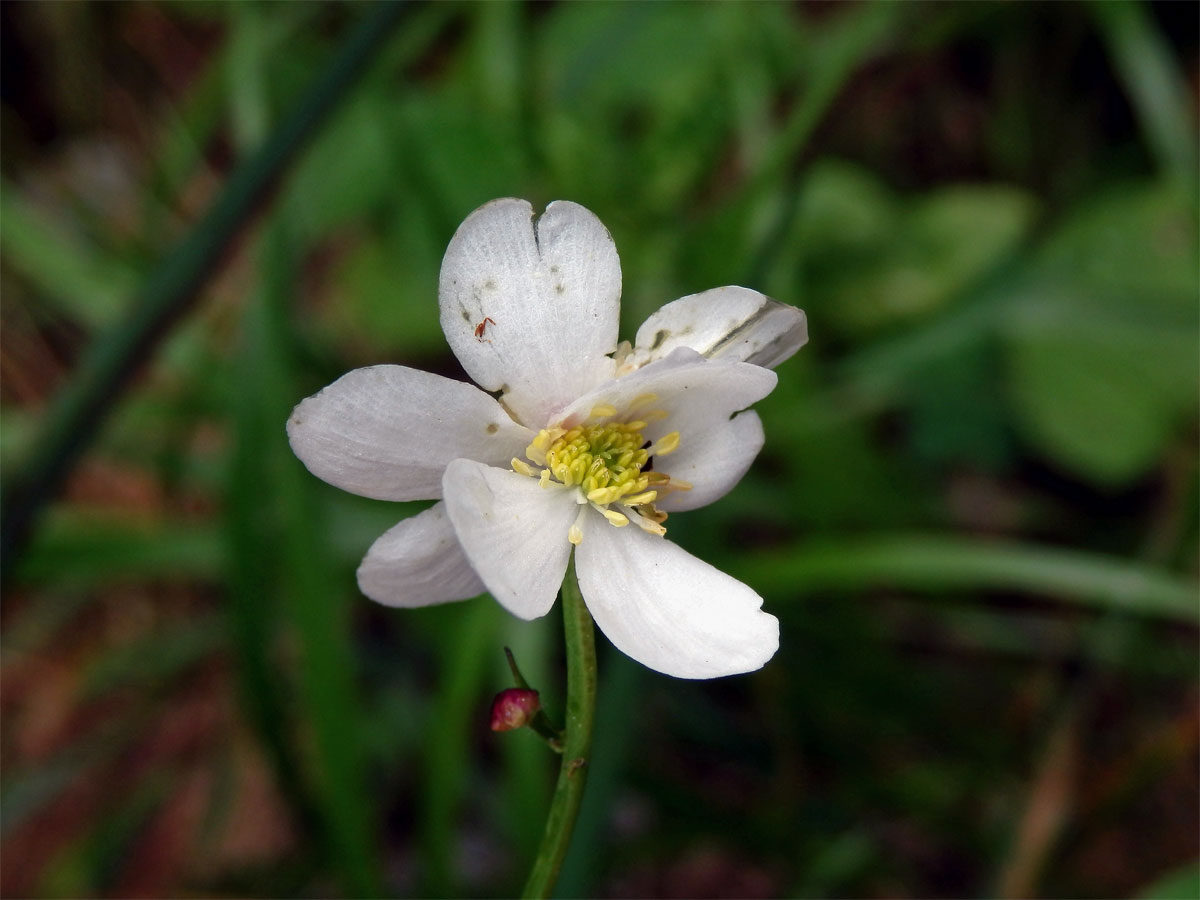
577, 745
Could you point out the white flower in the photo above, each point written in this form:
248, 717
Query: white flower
589, 444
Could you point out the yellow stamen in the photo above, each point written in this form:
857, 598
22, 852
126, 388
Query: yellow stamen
641, 499
668, 443
614, 517
604, 461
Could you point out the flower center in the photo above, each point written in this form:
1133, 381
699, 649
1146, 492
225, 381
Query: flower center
605, 460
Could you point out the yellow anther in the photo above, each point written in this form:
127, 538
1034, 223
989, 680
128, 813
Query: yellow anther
603, 461
614, 517
603, 495
668, 443
640, 499
579, 470
642, 400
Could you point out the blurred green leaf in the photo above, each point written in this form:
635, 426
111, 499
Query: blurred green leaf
80, 278
924, 563
98, 857
447, 762
84, 550
282, 571
157, 658
1102, 337
456, 159
27, 790
389, 286
1098, 402
838, 861
349, 171
874, 261
1182, 884
284, 576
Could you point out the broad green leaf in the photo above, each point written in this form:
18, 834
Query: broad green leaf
873, 260
1101, 335
1102, 402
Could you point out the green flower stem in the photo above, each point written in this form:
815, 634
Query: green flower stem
577, 747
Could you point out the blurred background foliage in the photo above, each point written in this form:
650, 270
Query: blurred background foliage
975, 516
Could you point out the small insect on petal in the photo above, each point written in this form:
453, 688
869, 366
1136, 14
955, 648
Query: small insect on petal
479, 329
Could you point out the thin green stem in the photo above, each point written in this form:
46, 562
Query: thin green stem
577, 748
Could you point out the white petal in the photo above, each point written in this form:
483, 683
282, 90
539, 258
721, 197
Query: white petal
713, 462
513, 531
669, 610
698, 395
389, 431
418, 563
531, 308
731, 323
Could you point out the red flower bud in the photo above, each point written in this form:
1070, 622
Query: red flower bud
514, 708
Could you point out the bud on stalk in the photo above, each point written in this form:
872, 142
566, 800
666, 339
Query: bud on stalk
514, 708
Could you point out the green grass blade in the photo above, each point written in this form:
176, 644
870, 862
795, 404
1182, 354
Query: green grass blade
75, 551
931, 563
299, 577
1156, 88
466, 665
116, 355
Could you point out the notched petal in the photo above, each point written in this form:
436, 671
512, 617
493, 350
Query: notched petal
530, 304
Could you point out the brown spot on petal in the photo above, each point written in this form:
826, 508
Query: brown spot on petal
493, 428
